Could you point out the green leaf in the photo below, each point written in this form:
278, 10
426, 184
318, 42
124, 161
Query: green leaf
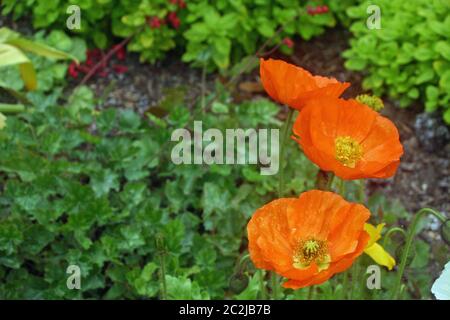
356, 64
184, 289
444, 82
10, 55
443, 48
41, 49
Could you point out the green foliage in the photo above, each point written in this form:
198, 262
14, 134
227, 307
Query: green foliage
217, 33
409, 57
12, 48
49, 71
94, 188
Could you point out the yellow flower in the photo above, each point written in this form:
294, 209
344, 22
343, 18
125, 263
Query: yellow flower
2, 121
376, 251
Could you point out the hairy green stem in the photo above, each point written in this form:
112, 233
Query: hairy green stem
284, 138
275, 284
342, 187
409, 239
344, 285
163, 276
262, 287
390, 232
330, 181
355, 278
11, 108
311, 292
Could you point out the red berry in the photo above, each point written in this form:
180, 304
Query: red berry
182, 4
288, 42
153, 22
120, 53
73, 70
172, 15
173, 19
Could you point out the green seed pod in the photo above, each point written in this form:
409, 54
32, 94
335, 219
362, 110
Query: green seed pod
238, 282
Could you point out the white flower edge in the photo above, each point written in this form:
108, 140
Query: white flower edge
441, 287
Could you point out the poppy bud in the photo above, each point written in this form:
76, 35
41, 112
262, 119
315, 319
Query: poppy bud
238, 282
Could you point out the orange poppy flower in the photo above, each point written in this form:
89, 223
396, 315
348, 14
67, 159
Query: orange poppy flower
307, 239
348, 138
293, 86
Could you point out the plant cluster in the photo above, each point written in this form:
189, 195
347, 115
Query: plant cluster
311, 238
215, 33
95, 188
409, 57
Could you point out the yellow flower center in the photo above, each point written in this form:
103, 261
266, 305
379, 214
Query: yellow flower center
309, 251
347, 151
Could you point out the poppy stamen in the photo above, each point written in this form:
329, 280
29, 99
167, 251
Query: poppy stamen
309, 251
347, 151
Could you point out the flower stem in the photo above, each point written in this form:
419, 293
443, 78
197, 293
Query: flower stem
345, 285
311, 292
409, 239
390, 232
355, 278
162, 265
284, 137
11, 108
262, 287
274, 279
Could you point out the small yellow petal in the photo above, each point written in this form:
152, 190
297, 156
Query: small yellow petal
374, 232
380, 256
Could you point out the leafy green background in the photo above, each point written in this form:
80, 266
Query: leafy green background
409, 57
